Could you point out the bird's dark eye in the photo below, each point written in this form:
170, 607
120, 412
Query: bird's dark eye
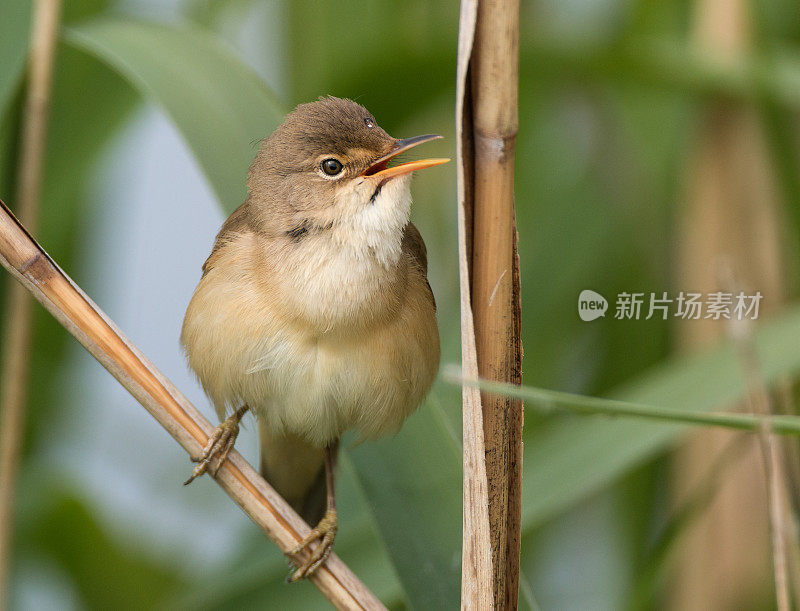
331, 166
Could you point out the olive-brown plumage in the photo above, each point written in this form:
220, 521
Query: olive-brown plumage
314, 308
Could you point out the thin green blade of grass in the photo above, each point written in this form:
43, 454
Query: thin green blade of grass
545, 400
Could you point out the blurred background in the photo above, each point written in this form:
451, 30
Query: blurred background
657, 147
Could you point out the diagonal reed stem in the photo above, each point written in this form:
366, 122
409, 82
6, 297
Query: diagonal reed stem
34, 269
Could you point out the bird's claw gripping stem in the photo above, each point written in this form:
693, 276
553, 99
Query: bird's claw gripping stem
325, 533
219, 444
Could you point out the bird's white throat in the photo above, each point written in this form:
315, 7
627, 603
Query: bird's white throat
371, 232
339, 271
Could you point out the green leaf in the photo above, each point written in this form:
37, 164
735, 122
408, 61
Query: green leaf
651, 572
107, 575
569, 457
15, 18
15, 21
413, 484
669, 64
220, 106
527, 601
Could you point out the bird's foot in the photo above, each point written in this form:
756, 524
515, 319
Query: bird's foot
325, 533
219, 444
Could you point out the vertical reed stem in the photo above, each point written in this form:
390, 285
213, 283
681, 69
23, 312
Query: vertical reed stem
477, 575
18, 320
495, 277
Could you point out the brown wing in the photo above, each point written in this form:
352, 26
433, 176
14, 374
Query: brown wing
414, 245
235, 224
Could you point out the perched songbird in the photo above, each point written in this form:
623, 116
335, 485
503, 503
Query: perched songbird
314, 309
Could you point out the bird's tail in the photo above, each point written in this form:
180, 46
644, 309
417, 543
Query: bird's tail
296, 470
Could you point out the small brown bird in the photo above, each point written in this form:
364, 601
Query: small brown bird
314, 309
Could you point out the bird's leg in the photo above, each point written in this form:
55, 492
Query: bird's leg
219, 444
325, 531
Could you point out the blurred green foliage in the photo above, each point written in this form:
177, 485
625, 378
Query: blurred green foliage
610, 95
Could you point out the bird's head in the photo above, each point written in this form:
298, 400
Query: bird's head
329, 163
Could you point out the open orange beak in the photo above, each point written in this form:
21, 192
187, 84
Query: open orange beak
380, 167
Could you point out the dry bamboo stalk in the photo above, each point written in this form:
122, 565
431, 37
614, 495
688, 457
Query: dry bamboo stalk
29, 264
495, 277
19, 320
725, 559
730, 215
477, 591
